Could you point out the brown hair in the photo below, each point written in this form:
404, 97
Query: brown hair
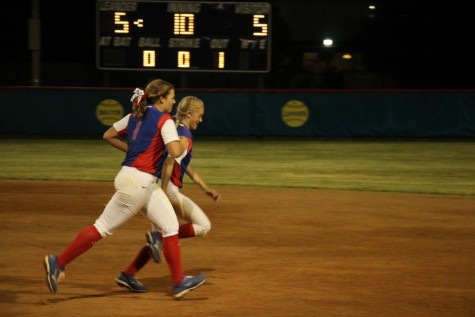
188, 103
155, 89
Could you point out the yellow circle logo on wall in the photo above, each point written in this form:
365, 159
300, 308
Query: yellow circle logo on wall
109, 111
294, 113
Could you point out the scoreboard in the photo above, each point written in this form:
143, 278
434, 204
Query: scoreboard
183, 36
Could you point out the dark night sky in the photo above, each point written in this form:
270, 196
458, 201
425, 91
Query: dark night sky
427, 43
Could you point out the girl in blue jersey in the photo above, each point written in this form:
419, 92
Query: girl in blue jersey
151, 136
189, 114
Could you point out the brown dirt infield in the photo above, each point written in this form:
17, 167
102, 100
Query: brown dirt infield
271, 252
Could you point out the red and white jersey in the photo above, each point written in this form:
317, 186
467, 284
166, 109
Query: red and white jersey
146, 138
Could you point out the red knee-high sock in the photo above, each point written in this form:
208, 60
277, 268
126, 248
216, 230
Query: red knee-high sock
140, 260
171, 252
186, 231
83, 242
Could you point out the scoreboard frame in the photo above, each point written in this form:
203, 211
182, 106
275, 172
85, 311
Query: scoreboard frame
148, 35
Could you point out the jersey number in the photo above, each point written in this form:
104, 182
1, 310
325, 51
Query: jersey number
136, 130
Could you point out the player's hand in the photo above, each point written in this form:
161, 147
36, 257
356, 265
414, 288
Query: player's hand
213, 194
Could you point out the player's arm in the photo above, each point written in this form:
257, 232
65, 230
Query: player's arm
176, 146
167, 168
177, 149
113, 138
198, 180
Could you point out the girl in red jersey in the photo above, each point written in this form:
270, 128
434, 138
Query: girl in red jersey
151, 134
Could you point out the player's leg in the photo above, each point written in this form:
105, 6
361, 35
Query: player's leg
197, 224
132, 189
127, 277
160, 212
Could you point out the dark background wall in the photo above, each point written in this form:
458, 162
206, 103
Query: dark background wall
73, 112
402, 44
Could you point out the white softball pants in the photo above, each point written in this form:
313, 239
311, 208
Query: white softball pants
188, 210
135, 191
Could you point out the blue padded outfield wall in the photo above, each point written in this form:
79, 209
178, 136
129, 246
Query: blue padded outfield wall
90, 111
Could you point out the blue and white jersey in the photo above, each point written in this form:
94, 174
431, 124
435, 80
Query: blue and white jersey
179, 170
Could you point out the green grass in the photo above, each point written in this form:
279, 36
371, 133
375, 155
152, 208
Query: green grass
441, 167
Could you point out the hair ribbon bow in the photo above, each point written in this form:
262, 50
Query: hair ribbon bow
138, 93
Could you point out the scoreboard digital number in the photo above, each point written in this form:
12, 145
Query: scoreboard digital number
183, 36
